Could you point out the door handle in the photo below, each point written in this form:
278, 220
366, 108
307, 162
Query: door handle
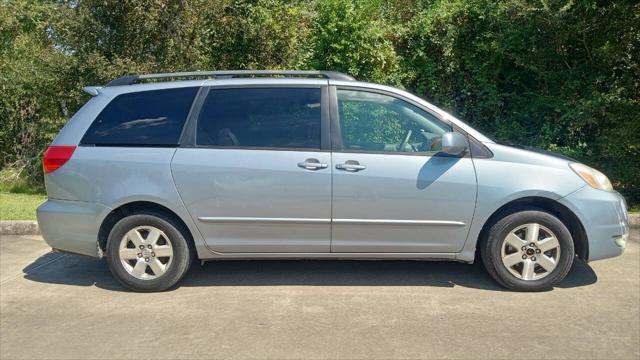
351, 166
312, 164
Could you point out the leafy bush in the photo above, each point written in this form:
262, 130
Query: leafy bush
557, 75
353, 37
32, 109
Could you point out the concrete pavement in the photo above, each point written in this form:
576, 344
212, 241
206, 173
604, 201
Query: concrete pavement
63, 306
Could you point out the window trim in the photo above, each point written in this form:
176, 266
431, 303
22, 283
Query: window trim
188, 139
336, 134
173, 145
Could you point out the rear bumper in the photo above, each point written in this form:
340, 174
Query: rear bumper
71, 226
605, 219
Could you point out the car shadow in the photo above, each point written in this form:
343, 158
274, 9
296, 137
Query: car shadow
55, 268
433, 168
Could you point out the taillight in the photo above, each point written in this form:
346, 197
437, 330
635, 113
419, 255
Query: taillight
55, 156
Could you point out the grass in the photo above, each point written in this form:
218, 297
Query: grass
19, 186
19, 206
19, 197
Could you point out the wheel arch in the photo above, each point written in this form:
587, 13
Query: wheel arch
568, 218
130, 208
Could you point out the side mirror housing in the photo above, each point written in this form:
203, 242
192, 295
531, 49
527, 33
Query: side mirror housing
454, 143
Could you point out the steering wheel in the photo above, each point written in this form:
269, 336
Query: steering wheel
404, 142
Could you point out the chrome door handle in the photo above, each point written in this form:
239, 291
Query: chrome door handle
351, 166
312, 164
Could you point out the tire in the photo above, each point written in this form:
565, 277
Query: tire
544, 266
163, 259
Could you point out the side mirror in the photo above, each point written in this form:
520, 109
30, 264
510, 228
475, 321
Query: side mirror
454, 143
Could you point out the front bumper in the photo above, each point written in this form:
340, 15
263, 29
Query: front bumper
604, 216
71, 226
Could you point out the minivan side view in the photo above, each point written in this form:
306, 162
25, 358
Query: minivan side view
157, 169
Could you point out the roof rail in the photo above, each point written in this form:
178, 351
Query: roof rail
227, 74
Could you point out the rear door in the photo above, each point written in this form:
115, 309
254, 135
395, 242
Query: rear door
257, 176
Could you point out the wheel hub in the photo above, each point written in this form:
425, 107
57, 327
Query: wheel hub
145, 252
530, 251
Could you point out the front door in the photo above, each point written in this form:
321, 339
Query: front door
393, 192
258, 179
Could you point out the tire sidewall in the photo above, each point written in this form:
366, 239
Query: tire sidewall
492, 256
181, 252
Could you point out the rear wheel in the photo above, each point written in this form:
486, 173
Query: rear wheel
529, 250
148, 252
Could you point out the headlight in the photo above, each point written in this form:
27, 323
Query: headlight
591, 176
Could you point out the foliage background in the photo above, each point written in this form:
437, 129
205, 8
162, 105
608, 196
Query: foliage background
560, 75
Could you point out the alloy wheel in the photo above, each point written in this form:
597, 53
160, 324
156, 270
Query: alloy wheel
530, 252
145, 252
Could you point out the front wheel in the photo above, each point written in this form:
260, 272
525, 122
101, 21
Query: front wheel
148, 252
529, 250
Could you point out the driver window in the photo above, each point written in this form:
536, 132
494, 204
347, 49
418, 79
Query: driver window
375, 122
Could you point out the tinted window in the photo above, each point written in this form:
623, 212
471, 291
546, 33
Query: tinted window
261, 117
142, 118
375, 122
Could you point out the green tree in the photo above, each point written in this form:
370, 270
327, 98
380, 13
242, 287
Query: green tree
32, 104
353, 37
560, 75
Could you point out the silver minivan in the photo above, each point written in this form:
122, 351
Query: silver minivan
156, 169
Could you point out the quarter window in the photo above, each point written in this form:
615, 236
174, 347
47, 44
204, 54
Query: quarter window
380, 123
149, 118
261, 117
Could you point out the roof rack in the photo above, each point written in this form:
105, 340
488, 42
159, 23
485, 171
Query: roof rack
228, 74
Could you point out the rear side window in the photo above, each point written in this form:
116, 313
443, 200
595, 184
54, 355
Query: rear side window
149, 118
261, 118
